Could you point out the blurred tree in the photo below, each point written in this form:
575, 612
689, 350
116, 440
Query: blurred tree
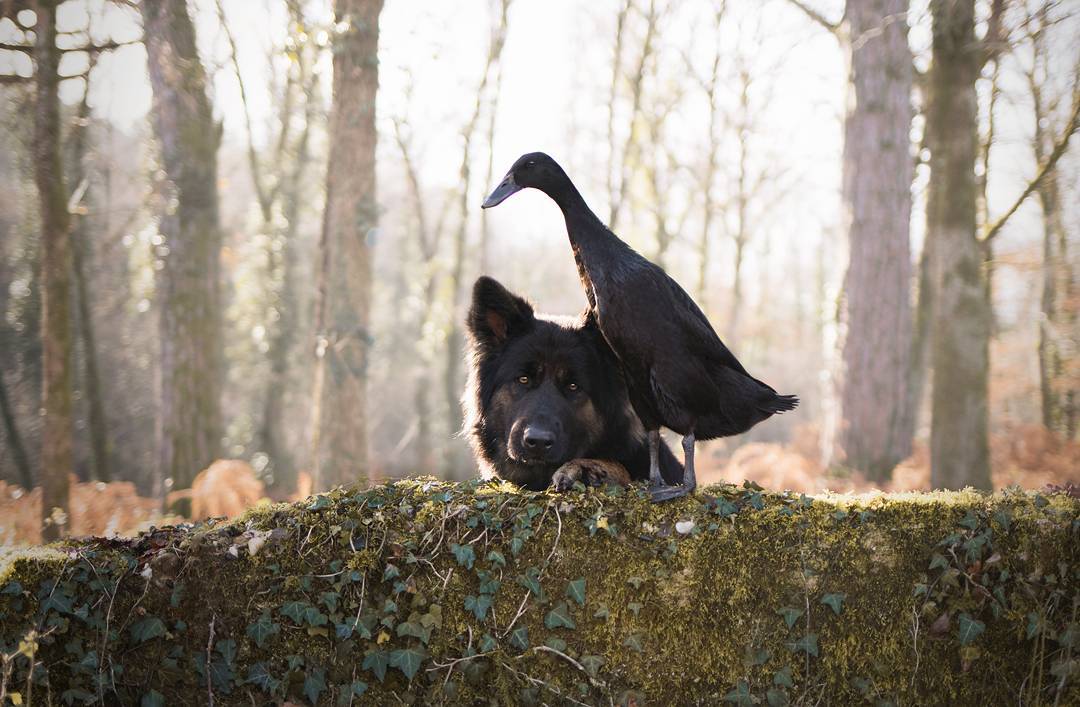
1060, 401
80, 250
459, 462
188, 285
621, 164
12, 435
343, 300
278, 182
427, 239
961, 320
710, 85
878, 414
962, 316
56, 457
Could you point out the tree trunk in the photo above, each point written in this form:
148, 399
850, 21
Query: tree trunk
14, 439
188, 286
343, 314
272, 433
56, 441
1057, 322
459, 462
960, 326
80, 251
877, 426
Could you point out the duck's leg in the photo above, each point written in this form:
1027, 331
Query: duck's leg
655, 480
689, 478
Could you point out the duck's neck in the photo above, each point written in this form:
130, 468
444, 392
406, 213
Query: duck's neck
586, 231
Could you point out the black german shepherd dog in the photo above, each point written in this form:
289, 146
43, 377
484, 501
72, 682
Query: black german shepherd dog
545, 391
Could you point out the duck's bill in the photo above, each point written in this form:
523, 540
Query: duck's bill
506, 188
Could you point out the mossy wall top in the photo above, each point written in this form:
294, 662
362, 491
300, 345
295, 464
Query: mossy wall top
426, 592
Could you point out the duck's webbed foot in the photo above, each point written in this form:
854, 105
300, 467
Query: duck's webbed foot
659, 492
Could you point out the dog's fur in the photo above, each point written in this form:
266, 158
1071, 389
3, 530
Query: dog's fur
545, 391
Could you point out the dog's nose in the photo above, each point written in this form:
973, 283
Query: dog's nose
537, 438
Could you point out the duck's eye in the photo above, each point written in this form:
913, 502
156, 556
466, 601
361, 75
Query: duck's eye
524, 380
572, 387
530, 163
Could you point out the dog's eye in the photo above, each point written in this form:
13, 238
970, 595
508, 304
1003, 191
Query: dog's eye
572, 387
524, 380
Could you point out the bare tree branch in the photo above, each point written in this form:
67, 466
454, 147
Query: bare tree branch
816, 16
1060, 148
265, 203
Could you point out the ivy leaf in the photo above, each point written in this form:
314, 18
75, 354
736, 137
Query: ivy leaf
358, 688
330, 600
376, 661
227, 649
556, 643
496, 558
970, 520
407, 660
479, 605
834, 602
635, 582
488, 643
970, 629
531, 581
414, 629
294, 610
520, 638
262, 630
592, 664
390, 572
12, 587
319, 503
488, 583
634, 607
314, 617
790, 615
633, 641
576, 591
559, 617
259, 676
782, 677
464, 554
740, 695
150, 627
777, 698
807, 644
150, 699
314, 684
1069, 637
602, 612
725, 508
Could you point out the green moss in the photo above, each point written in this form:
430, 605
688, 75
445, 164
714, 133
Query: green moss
732, 593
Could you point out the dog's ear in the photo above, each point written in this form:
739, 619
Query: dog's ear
497, 315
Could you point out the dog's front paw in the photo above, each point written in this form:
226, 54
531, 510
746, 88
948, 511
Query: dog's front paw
567, 475
591, 472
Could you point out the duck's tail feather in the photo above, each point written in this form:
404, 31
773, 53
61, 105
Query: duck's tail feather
780, 403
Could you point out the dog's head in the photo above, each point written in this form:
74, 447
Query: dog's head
533, 389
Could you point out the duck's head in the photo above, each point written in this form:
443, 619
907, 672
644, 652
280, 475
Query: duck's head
535, 170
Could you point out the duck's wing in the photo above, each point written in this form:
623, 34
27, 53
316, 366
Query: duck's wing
697, 329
